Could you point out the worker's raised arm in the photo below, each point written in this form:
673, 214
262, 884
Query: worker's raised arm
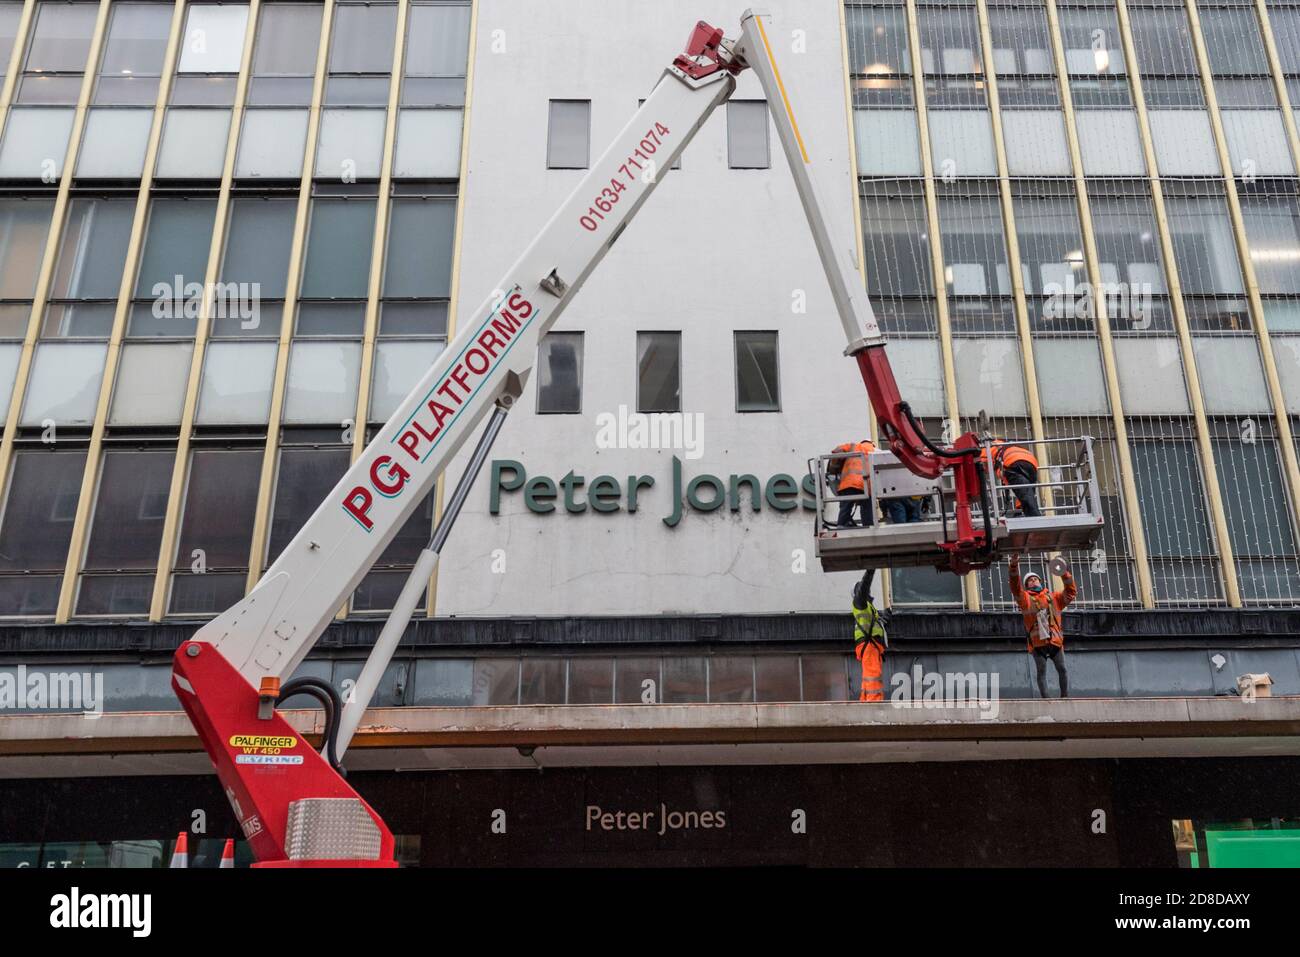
1013, 580
1068, 593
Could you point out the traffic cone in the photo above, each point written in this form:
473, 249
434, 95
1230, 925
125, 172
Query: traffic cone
227, 855
181, 853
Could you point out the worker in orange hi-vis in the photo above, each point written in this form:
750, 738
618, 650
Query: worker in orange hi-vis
1017, 467
1042, 610
869, 639
847, 476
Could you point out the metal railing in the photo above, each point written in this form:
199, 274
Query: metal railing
1065, 485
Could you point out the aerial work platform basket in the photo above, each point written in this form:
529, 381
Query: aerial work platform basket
923, 520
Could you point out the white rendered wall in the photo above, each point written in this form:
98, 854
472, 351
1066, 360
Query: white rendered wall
715, 250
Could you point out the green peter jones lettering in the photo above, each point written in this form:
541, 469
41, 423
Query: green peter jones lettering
606, 494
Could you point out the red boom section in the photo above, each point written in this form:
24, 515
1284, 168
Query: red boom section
970, 546
264, 764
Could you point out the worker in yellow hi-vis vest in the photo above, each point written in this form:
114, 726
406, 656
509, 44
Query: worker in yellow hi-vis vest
870, 640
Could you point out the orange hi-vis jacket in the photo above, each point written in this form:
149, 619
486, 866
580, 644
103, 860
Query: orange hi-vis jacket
1043, 607
851, 468
1009, 455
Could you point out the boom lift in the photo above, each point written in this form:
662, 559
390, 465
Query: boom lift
292, 802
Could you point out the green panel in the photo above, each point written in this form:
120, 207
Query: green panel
1253, 848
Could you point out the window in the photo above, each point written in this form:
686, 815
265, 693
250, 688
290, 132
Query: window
1252, 122
1162, 39
1285, 21
173, 265
210, 55
1051, 256
88, 272
10, 14
211, 562
976, 270
1172, 502
1128, 250
284, 58
214, 38
879, 62
247, 305
747, 143
40, 508
1252, 485
1271, 213
24, 224
133, 54
56, 55
1022, 55
568, 139
757, 388
429, 125
1094, 56
306, 475
559, 373
900, 273
361, 54
255, 268
437, 53
335, 277
417, 284
659, 371
125, 532
1235, 49
591, 681
1206, 254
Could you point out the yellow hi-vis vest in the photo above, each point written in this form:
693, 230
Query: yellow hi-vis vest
867, 624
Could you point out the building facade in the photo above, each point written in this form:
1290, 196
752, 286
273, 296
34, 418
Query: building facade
233, 235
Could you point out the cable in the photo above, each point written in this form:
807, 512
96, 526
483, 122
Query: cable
328, 696
925, 439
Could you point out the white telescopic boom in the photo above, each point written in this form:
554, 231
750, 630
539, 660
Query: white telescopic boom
847, 287
271, 630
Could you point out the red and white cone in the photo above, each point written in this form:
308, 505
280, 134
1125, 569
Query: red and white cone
227, 855
181, 854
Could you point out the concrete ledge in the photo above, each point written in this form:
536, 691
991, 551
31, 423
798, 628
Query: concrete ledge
596, 726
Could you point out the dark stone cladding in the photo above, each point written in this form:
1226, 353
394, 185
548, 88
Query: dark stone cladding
918, 630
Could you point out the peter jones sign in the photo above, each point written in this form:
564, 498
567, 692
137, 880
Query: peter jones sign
575, 493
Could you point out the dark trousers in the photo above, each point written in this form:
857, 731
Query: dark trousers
861, 506
1057, 657
899, 511
1022, 477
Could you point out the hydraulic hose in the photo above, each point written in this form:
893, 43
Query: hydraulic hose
328, 696
934, 449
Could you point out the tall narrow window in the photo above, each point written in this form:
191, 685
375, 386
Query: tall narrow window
756, 372
56, 56
210, 55
88, 273
417, 284
38, 514
659, 372
172, 267
24, 224
559, 373
284, 58
361, 54
211, 562
125, 532
568, 140
747, 142
133, 54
